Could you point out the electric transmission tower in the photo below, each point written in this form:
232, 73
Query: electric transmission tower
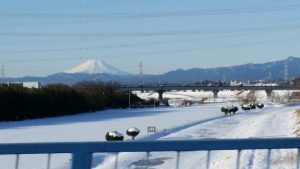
2, 74
141, 74
286, 73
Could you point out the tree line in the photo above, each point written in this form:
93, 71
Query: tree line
20, 103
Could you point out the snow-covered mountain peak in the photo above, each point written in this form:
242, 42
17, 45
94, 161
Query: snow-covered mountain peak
95, 66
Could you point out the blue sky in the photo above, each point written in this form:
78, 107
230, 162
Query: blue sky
40, 37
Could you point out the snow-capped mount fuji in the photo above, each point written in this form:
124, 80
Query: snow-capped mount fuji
95, 66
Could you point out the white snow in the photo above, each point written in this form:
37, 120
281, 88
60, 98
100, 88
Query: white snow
273, 121
94, 66
200, 121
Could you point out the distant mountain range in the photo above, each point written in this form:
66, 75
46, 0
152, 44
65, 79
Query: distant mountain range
97, 70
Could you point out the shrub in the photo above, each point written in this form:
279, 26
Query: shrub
114, 136
132, 132
19, 103
260, 105
229, 109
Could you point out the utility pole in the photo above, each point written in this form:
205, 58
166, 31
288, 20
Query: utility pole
129, 99
154, 105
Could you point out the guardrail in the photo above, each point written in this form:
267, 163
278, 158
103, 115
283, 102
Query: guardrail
82, 152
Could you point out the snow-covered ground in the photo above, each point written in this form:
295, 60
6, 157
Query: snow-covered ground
199, 121
272, 121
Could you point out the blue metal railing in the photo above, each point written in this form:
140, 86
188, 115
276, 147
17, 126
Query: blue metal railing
82, 152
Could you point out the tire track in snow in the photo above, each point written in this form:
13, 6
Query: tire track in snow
273, 122
266, 125
161, 134
234, 126
254, 158
220, 124
245, 125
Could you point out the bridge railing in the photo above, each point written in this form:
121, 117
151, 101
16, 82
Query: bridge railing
82, 153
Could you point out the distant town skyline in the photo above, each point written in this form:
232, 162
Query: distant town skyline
40, 38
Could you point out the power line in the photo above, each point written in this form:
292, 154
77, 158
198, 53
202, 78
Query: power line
41, 59
228, 11
122, 45
157, 52
86, 39
235, 45
94, 21
152, 43
77, 6
158, 33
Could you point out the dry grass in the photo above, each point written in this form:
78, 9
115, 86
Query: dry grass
249, 98
289, 159
294, 96
296, 130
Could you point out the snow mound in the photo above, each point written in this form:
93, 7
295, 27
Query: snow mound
95, 66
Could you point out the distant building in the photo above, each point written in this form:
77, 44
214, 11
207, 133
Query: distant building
235, 83
25, 84
32, 84
265, 84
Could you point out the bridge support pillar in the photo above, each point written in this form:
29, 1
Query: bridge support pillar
215, 92
269, 94
160, 95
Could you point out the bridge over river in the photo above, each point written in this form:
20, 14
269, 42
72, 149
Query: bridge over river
160, 89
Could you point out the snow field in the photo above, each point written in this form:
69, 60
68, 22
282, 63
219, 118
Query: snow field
268, 122
200, 121
93, 127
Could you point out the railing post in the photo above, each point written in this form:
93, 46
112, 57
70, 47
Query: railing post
81, 160
116, 160
298, 159
17, 161
208, 159
147, 159
269, 159
48, 161
238, 159
177, 159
